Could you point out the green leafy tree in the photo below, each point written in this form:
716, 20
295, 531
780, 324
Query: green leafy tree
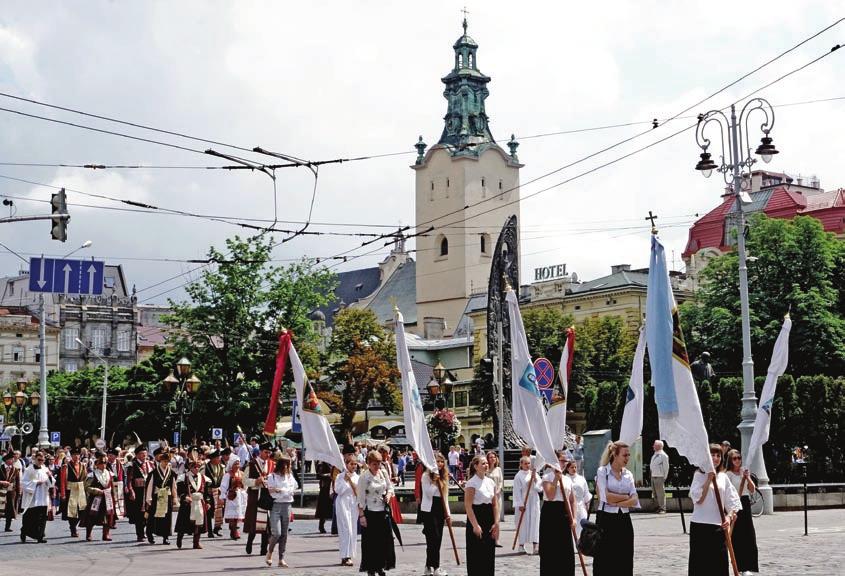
797, 267
362, 366
229, 328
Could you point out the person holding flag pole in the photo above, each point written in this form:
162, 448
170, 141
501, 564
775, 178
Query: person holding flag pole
435, 482
531, 423
682, 424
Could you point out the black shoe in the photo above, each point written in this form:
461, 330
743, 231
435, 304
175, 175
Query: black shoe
218, 530
151, 540
23, 538
166, 541
8, 530
179, 541
249, 548
211, 534
264, 551
42, 540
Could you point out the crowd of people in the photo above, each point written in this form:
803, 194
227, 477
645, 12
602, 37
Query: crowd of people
196, 492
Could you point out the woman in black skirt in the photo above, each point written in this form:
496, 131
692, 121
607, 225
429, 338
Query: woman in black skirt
743, 536
617, 495
374, 493
708, 554
482, 519
556, 550
435, 512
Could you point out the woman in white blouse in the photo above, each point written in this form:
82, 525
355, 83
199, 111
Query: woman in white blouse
282, 485
346, 508
495, 474
435, 513
743, 535
581, 491
707, 550
527, 483
482, 509
374, 493
556, 550
617, 494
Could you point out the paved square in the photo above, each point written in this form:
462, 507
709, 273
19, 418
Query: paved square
661, 549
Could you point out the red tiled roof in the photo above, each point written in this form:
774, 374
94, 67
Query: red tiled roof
827, 207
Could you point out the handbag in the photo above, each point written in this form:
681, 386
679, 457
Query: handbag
590, 540
265, 499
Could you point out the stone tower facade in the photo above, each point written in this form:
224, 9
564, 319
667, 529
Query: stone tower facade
466, 187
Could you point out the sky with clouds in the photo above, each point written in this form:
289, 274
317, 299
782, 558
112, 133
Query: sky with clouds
323, 80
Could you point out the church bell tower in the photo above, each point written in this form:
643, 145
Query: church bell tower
466, 187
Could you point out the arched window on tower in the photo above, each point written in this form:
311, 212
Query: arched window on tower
470, 61
485, 244
444, 246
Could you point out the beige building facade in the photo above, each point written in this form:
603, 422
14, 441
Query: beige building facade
20, 355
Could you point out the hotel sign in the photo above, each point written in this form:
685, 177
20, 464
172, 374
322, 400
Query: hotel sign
549, 272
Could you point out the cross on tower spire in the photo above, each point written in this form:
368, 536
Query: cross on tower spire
652, 217
465, 18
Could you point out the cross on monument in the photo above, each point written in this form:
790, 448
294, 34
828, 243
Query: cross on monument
652, 217
465, 18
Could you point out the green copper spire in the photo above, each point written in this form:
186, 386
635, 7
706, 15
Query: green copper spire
466, 123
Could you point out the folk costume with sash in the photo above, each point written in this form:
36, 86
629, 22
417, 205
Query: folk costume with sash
102, 502
160, 497
255, 518
136, 486
72, 490
191, 518
10, 489
214, 474
119, 475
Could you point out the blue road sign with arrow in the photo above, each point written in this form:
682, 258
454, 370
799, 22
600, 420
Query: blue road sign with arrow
64, 276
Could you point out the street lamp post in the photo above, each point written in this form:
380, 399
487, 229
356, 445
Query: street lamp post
20, 400
736, 157
105, 386
186, 385
439, 388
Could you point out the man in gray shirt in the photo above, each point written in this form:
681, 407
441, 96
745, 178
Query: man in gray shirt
659, 468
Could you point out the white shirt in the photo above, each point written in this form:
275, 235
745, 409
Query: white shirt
454, 456
659, 465
373, 489
736, 480
707, 512
606, 482
36, 487
567, 485
429, 491
282, 488
485, 489
243, 455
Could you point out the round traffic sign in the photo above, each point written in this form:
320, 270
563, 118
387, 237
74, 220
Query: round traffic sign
100, 443
545, 373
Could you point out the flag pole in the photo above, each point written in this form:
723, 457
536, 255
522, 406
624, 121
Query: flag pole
728, 541
572, 524
524, 505
449, 524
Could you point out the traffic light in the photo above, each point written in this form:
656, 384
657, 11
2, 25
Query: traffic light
58, 202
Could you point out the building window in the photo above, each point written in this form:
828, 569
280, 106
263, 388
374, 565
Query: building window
38, 357
108, 282
432, 185
447, 182
500, 184
71, 334
483, 182
123, 341
98, 340
17, 354
460, 399
485, 244
70, 366
578, 307
444, 246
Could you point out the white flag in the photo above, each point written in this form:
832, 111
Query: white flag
780, 358
317, 435
678, 409
416, 429
632, 417
557, 410
529, 415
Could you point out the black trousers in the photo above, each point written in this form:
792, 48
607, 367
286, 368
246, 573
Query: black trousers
557, 555
708, 554
73, 523
433, 522
744, 539
616, 555
481, 552
250, 538
34, 522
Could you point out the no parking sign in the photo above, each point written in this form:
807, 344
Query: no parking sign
545, 373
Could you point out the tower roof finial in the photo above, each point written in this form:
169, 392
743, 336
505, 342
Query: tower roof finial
465, 19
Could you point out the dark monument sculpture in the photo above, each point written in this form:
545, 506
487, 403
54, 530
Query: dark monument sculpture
505, 265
